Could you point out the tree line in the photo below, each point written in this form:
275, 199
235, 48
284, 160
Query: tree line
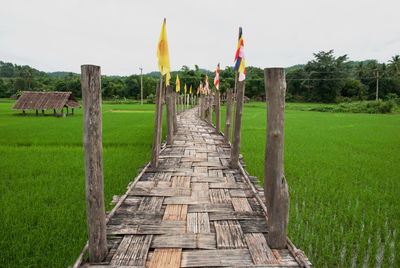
325, 78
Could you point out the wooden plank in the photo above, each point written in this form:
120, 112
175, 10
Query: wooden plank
236, 215
180, 181
160, 191
200, 192
241, 204
132, 250
207, 179
165, 227
253, 226
175, 212
210, 208
151, 204
226, 185
229, 235
190, 240
198, 223
183, 200
259, 249
216, 258
219, 196
166, 258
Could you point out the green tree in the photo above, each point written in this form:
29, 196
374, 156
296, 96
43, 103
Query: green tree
325, 74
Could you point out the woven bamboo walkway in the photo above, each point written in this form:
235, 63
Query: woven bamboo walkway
193, 211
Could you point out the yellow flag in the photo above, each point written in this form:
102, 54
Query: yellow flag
190, 91
177, 84
162, 53
185, 88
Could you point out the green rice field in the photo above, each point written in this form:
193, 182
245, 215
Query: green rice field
343, 172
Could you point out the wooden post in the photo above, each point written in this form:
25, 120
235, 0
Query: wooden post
54, 111
275, 186
37, 112
43, 112
92, 139
72, 111
175, 120
217, 111
157, 126
202, 107
228, 114
237, 126
210, 108
169, 101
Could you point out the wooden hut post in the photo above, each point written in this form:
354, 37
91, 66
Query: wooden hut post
169, 101
157, 126
43, 112
217, 111
37, 112
228, 114
92, 138
72, 111
54, 112
275, 186
237, 125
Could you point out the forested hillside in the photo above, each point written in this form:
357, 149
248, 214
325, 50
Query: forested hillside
326, 78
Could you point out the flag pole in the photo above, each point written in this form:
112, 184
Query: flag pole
234, 102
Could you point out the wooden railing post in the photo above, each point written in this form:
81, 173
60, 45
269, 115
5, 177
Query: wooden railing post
237, 126
169, 101
174, 112
157, 126
92, 140
275, 186
202, 107
228, 114
217, 111
210, 108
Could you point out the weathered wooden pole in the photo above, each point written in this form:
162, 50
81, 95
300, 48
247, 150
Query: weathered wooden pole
92, 139
157, 126
275, 186
169, 101
210, 108
228, 114
175, 120
217, 111
202, 107
237, 126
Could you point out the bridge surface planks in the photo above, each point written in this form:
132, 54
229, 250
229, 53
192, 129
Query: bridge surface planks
192, 210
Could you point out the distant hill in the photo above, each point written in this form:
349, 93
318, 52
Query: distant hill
60, 74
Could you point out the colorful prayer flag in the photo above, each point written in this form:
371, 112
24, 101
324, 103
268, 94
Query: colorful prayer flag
216, 78
163, 54
240, 66
185, 87
207, 87
190, 91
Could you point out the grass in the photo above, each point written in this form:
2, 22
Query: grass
42, 190
343, 173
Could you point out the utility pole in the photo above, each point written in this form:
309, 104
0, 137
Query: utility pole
377, 85
141, 85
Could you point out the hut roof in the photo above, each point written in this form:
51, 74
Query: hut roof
34, 100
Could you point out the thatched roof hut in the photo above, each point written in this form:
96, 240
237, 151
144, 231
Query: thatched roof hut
51, 100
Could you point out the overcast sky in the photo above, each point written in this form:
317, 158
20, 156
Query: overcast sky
122, 35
